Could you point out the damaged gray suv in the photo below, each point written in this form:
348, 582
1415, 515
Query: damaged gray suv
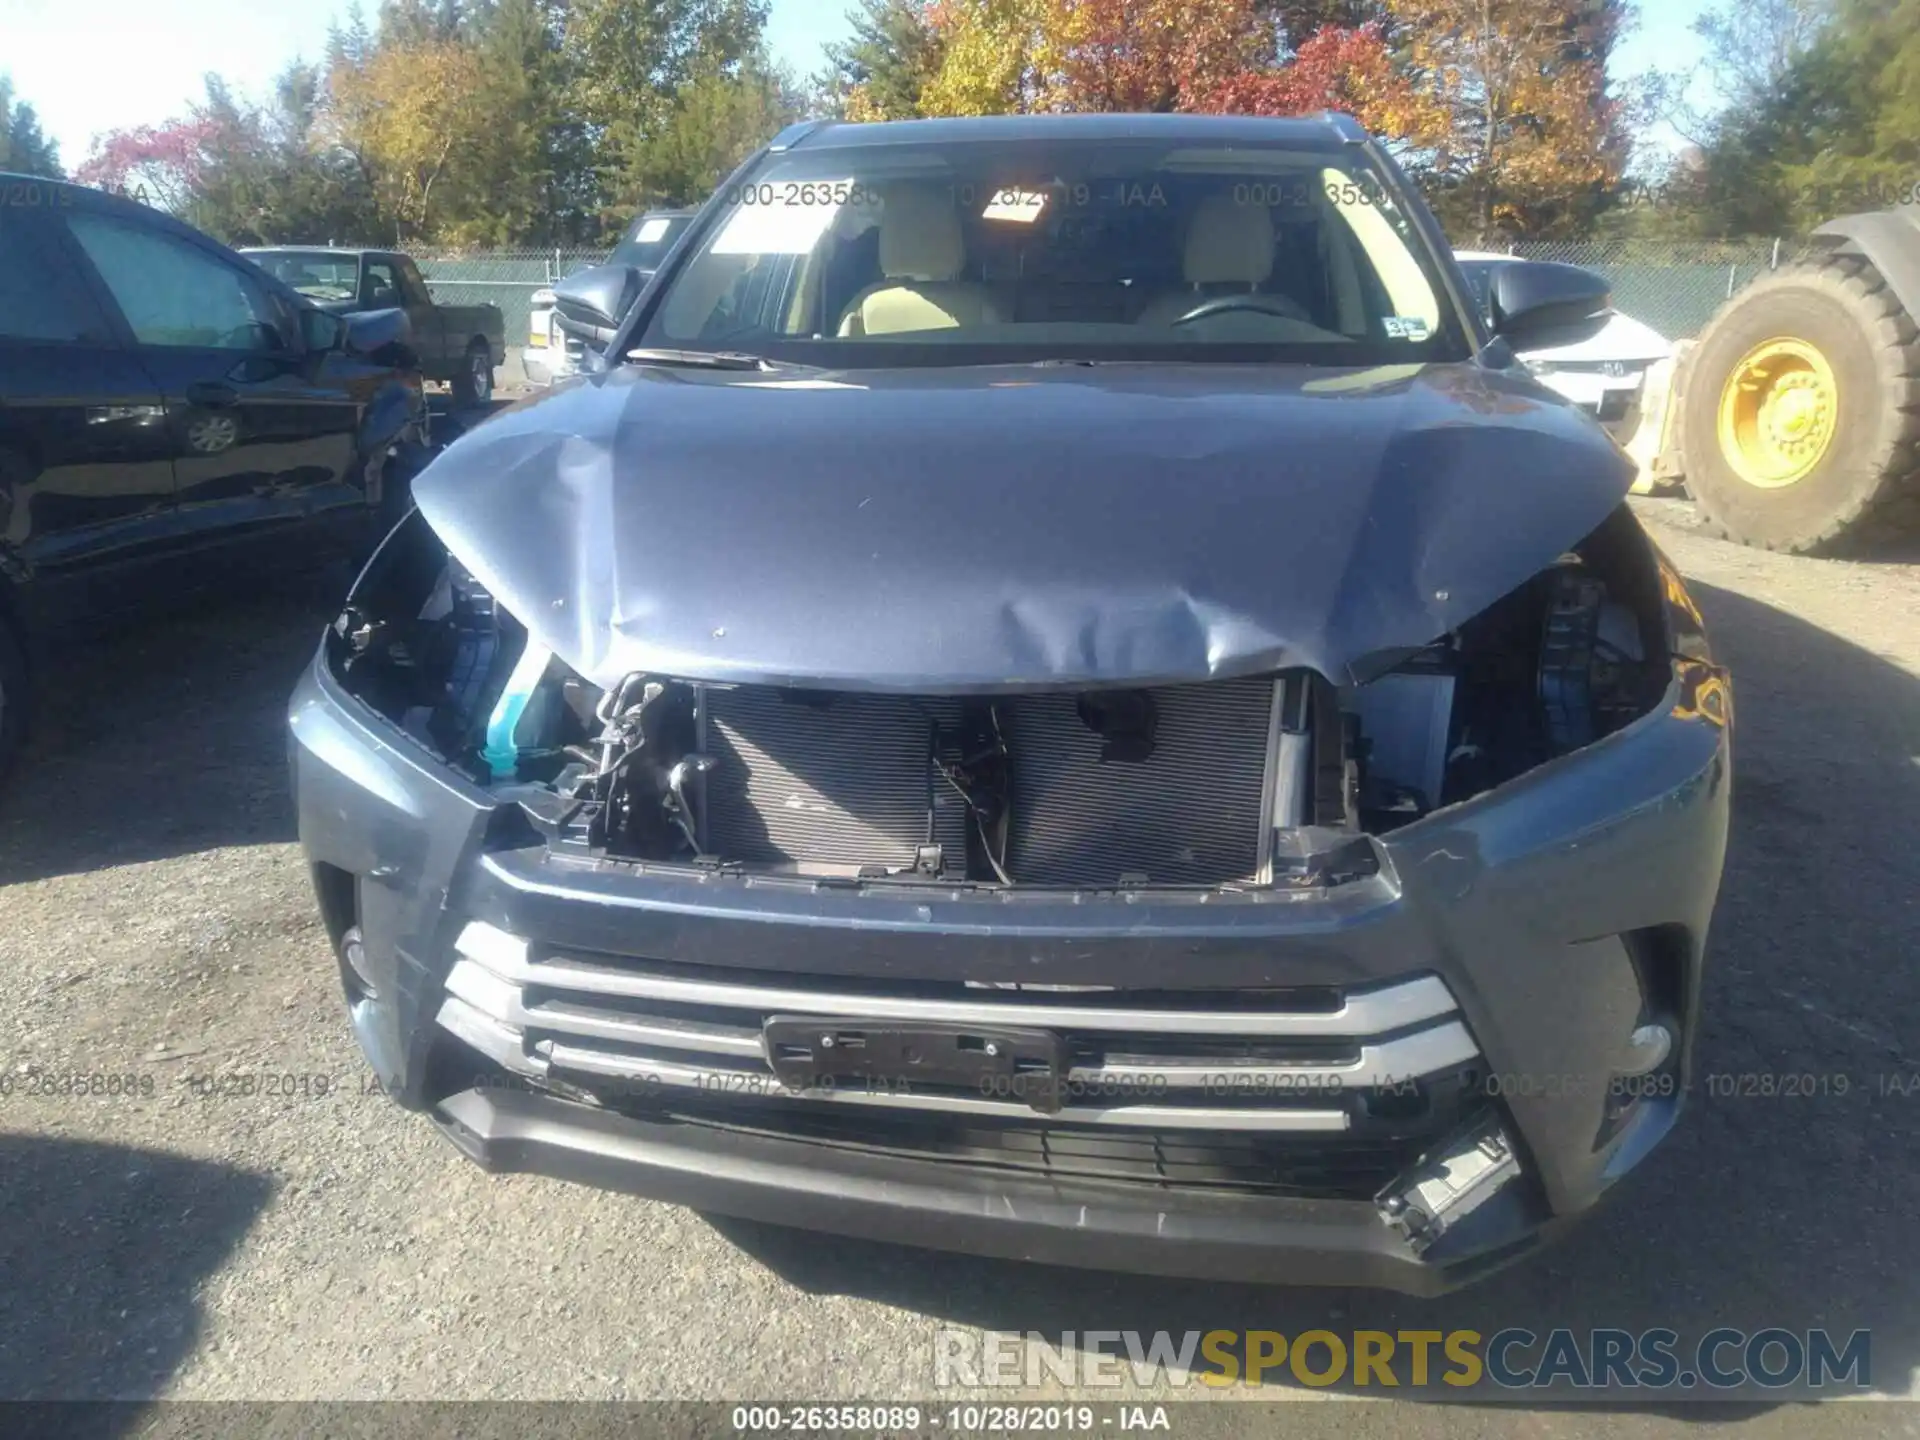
1054, 690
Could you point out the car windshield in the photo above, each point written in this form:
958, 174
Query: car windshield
649, 240
316, 273
994, 252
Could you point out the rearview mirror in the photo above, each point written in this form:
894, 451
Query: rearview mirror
1541, 303
591, 302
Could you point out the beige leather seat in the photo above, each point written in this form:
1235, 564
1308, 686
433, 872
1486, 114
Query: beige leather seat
921, 251
1228, 246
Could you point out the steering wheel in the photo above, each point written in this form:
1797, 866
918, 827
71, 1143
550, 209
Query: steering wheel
1281, 305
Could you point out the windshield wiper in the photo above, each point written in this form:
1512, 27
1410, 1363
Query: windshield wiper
705, 359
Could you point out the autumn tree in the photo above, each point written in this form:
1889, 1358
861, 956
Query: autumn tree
1010, 56
1149, 55
989, 57
24, 149
1523, 138
409, 114
160, 165
1335, 69
1300, 20
249, 174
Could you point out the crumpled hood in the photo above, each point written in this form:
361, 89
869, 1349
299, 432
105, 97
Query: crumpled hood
1006, 527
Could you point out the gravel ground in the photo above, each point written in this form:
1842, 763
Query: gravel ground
158, 926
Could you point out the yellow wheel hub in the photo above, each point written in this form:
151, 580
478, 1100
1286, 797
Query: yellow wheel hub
1777, 413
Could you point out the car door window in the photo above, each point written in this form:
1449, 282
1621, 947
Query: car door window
172, 292
412, 286
383, 286
39, 300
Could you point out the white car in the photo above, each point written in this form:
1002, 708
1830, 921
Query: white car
1605, 375
550, 357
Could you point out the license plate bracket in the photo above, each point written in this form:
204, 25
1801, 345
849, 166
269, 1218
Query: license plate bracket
1027, 1065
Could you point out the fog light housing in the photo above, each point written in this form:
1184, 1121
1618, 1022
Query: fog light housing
1648, 1048
1445, 1188
353, 954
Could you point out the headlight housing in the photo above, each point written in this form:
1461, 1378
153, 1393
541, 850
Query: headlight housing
422, 642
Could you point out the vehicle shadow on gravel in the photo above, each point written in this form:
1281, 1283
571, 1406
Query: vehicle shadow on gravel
168, 737
164, 739
1788, 1211
108, 1250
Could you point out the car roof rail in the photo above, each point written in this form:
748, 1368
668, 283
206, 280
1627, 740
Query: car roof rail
1348, 128
795, 133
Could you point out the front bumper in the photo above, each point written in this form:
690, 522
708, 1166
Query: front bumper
1612, 400
1540, 921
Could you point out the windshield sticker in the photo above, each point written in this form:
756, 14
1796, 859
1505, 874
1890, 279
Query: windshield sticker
650, 231
1407, 327
1015, 204
782, 224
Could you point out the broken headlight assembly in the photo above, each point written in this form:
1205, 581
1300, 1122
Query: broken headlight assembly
1578, 651
423, 642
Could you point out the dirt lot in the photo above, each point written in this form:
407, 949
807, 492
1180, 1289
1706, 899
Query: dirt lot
157, 925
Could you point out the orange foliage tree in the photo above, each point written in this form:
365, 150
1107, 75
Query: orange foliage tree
1010, 56
1336, 69
408, 114
1498, 107
1521, 136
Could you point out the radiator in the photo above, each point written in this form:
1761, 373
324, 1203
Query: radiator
1189, 814
836, 781
845, 781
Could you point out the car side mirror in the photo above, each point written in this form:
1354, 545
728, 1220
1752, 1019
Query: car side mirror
373, 333
591, 302
322, 330
1541, 303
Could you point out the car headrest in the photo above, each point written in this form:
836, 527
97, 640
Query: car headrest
920, 235
1229, 243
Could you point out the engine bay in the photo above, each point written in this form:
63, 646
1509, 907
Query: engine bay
1255, 780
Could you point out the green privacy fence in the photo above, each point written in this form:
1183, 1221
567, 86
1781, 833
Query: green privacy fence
1673, 286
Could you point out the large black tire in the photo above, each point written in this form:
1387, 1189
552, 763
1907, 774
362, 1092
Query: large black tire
1865, 487
473, 385
16, 697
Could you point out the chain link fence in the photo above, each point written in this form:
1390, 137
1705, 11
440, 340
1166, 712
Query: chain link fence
507, 278
1674, 286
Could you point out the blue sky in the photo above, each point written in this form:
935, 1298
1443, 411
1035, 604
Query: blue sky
94, 65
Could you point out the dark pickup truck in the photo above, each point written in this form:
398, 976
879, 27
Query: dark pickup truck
460, 344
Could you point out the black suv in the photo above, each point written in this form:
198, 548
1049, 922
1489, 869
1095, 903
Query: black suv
172, 417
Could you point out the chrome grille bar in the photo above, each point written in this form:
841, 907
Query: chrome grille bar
503, 1000
1392, 1007
1386, 1062
506, 1047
